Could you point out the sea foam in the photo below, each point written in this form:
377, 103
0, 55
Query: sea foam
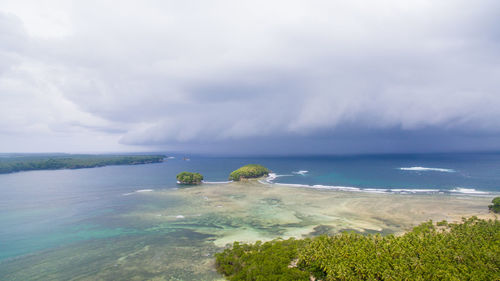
376, 190
426, 169
468, 191
335, 187
138, 191
217, 182
459, 190
272, 176
411, 190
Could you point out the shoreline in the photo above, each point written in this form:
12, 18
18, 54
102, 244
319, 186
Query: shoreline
73, 162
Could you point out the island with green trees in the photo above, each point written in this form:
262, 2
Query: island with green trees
248, 172
448, 251
495, 207
189, 178
29, 162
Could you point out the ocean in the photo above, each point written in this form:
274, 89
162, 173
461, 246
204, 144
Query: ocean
125, 222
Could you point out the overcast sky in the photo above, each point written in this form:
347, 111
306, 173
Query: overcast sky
249, 77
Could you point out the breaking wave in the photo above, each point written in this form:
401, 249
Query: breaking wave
426, 169
468, 191
271, 177
138, 191
458, 190
216, 182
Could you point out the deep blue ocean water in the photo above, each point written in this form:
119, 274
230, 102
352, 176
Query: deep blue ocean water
458, 173
41, 210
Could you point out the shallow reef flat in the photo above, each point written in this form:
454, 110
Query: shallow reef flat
178, 255
177, 240
253, 211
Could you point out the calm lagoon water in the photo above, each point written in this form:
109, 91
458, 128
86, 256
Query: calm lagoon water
135, 222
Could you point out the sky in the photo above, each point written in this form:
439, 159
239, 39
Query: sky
250, 77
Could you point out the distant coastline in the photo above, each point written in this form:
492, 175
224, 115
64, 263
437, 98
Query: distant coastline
72, 161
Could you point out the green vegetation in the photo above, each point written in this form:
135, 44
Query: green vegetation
189, 178
17, 163
466, 251
442, 223
249, 171
495, 207
262, 261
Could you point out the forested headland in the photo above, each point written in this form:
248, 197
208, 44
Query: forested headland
18, 163
461, 251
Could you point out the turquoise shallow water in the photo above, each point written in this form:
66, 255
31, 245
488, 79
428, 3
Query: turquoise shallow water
133, 221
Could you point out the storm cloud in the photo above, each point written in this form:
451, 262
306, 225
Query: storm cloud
262, 76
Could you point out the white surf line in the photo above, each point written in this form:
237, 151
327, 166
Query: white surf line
459, 190
272, 176
216, 182
138, 191
468, 191
426, 169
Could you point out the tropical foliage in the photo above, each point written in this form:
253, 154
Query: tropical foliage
189, 178
64, 161
249, 171
466, 251
495, 207
262, 261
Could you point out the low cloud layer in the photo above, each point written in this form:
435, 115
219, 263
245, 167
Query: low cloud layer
219, 76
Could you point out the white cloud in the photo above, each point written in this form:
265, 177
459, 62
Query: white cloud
170, 72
